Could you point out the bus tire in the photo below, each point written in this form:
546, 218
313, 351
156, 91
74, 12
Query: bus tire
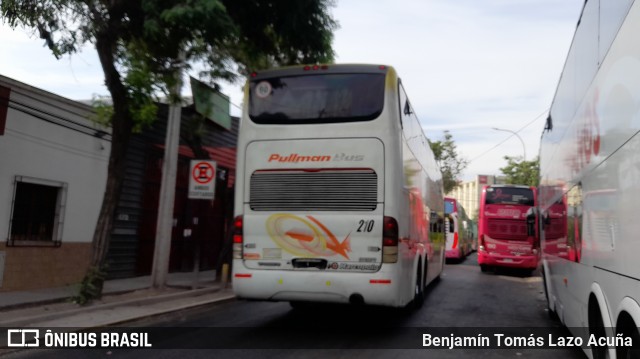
552, 313
634, 350
596, 328
299, 305
529, 272
418, 292
628, 329
484, 268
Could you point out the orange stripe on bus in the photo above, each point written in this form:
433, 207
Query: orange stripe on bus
300, 236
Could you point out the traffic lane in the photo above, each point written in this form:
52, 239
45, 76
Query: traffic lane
464, 298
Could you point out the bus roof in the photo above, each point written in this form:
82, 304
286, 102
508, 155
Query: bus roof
509, 185
331, 68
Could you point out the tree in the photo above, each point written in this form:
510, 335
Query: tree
447, 157
139, 44
518, 171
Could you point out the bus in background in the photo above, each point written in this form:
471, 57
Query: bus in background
459, 231
338, 195
507, 234
590, 160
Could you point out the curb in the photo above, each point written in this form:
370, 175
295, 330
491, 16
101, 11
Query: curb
227, 298
137, 301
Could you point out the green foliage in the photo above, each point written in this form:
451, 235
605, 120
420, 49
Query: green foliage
145, 38
143, 44
518, 171
91, 286
451, 164
103, 110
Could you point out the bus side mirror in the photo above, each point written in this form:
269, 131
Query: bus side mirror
531, 221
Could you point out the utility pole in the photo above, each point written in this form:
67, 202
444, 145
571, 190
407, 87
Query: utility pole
164, 225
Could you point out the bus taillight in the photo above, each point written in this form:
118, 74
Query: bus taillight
455, 240
237, 237
481, 243
316, 67
390, 240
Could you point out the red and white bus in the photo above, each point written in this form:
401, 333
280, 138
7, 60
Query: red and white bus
590, 160
338, 195
459, 230
507, 233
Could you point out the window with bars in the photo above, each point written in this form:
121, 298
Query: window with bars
37, 212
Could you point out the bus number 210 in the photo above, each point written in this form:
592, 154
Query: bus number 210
365, 226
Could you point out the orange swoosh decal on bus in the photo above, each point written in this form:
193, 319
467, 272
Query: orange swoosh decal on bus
305, 236
300, 236
339, 247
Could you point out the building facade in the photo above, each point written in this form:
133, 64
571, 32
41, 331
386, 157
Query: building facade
468, 193
53, 162
199, 226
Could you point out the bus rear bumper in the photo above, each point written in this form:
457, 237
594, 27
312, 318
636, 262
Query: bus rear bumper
453, 253
377, 288
529, 262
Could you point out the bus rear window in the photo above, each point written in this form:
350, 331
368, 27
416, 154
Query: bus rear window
321, 98
509, 195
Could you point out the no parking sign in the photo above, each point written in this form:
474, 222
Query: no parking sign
202, 179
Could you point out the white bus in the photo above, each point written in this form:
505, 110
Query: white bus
589, 194
338, 195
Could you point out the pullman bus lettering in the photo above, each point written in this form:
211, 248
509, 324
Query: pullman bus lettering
295, 158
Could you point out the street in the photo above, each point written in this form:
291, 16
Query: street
464, 298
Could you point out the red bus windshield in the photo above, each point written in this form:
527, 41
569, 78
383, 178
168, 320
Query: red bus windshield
509, 195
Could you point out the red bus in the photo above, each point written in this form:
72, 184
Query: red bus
507, 233
459, 232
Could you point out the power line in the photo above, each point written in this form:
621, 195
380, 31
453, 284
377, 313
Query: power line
56, 120
506, 139
53, 104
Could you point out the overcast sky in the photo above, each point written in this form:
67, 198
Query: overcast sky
467, 65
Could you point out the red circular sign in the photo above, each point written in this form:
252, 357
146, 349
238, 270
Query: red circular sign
203, 172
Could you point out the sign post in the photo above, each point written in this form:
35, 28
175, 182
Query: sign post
202, 179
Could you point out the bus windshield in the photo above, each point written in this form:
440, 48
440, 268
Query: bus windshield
316, 99
509, 195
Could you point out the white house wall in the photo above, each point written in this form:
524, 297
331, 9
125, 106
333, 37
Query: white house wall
71, 150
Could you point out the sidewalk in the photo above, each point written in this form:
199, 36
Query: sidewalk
123, 300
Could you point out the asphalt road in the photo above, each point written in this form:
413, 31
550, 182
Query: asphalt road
465, 302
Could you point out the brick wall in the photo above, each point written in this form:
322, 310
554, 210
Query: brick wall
44, 267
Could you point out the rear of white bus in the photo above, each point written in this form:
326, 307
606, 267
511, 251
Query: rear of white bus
310, 217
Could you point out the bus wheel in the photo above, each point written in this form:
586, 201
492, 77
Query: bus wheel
484, 268
596, 328
529, 272
552, 313
634, 350
299, 305
418, 293
628, 329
